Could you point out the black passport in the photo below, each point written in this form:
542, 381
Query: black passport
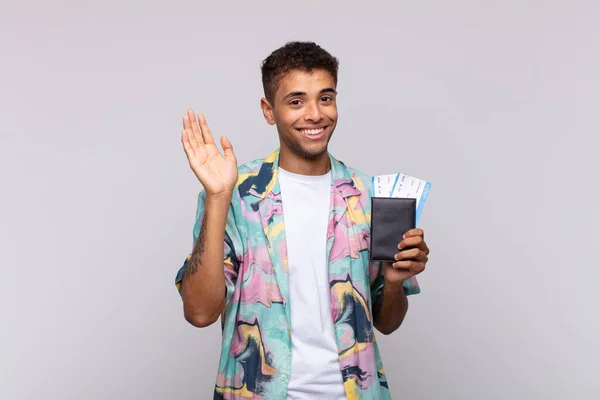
391, 218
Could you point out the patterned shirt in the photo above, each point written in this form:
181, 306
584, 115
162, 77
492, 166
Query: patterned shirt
256, 346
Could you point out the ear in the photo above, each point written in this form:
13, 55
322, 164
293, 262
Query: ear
267, 110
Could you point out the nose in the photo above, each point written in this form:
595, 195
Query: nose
313, 113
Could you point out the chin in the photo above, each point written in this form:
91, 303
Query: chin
310, 153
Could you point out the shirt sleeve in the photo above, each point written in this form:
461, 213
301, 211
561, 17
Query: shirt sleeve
232, 247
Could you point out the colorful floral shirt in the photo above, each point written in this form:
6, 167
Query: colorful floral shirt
256, 347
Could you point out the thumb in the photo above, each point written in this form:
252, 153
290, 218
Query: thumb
227, 148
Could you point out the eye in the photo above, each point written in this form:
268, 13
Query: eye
326, 99
295, 102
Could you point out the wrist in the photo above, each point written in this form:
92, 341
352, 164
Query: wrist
393, 287
221, 197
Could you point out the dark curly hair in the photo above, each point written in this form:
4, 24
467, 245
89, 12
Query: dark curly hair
304, 56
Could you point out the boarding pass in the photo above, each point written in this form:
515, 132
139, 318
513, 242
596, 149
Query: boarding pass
402, 185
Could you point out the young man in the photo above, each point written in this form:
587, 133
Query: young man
281, 250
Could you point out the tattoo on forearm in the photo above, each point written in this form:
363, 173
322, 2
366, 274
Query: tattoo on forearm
198, 250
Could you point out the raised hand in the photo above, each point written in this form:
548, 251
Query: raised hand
217, 172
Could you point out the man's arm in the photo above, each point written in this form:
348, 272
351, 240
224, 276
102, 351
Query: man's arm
391, 307
203, 284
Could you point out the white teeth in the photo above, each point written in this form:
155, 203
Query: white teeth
312, 131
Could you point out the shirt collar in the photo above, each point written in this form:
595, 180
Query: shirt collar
265, 182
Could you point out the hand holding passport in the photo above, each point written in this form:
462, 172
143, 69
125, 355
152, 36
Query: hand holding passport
396, 205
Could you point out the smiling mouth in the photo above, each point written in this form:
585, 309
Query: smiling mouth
312, 132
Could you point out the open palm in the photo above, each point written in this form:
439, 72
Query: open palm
217, 172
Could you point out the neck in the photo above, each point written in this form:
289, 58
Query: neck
296, 164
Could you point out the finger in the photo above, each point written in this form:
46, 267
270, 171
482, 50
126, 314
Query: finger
425, 248
422, 258
206, 134
414, 267
414, 241
194, 127
187, 126
410, 254
227, 148
187, 147
405, 264
414, 232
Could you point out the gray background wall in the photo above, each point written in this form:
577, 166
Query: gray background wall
494, 102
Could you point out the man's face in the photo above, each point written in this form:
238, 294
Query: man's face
305, 112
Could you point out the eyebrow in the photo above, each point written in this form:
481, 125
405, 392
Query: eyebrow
294, 94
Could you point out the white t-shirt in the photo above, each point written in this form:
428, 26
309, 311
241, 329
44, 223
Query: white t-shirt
315, 372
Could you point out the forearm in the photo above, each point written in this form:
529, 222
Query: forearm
203, 285
391, 308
